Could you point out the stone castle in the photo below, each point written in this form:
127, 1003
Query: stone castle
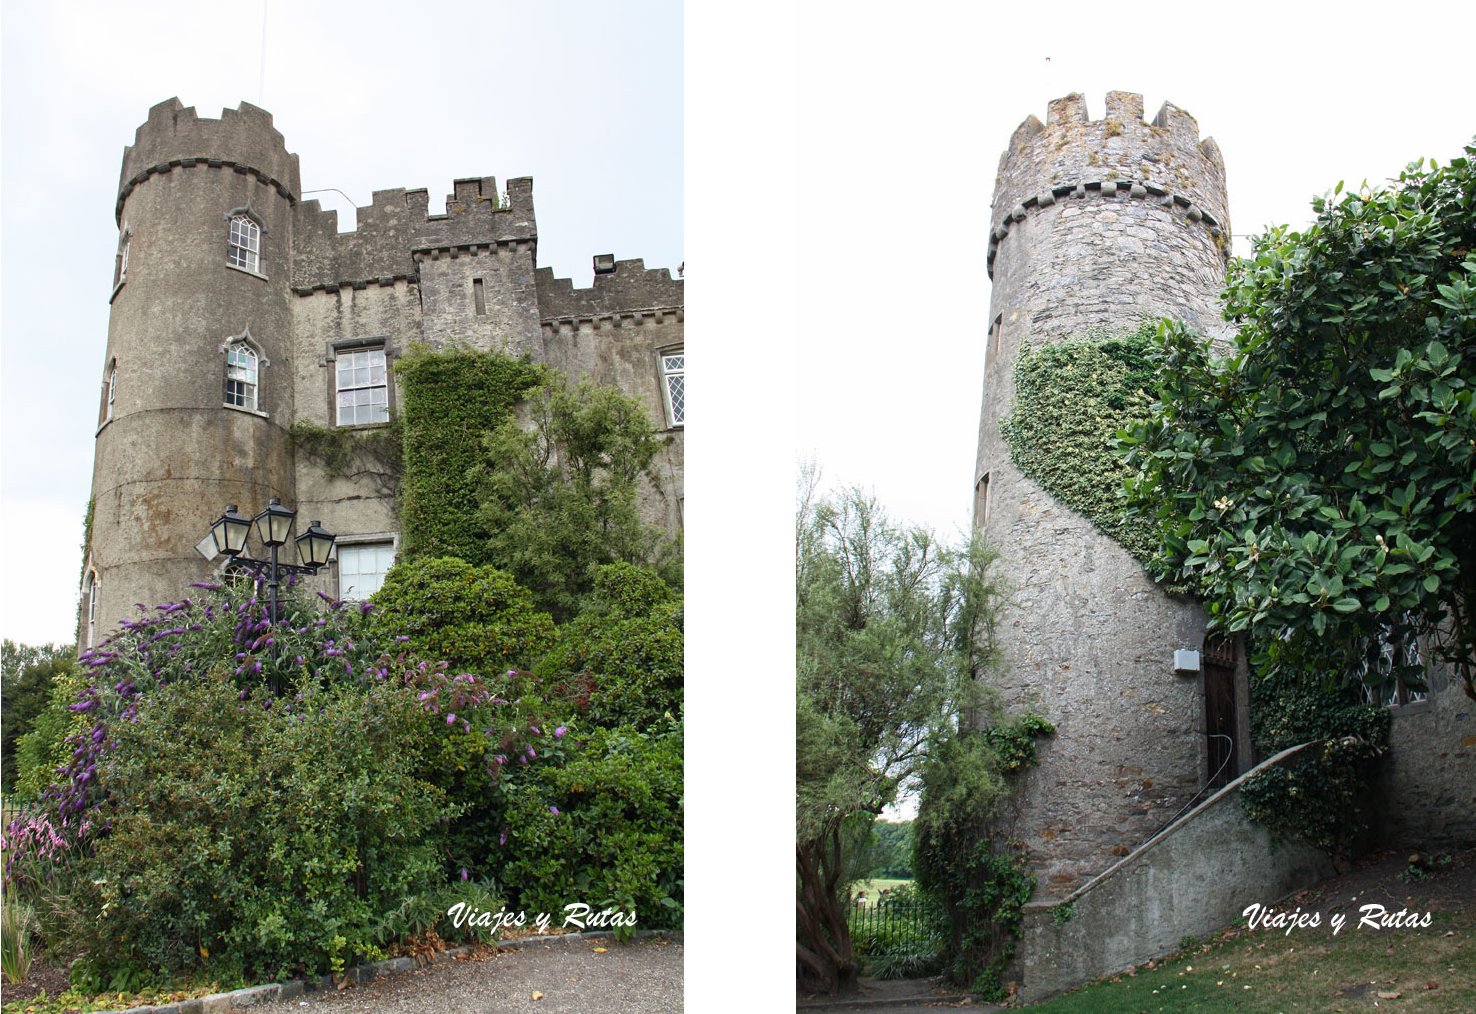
239, 309
1096, 225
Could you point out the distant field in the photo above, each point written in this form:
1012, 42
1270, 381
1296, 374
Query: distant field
874, 887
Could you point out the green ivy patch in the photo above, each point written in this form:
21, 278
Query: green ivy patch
450, 400
1071, 399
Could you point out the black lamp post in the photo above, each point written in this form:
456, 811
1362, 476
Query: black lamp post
274, 528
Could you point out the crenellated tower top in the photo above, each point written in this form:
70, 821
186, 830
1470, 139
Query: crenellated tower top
1071, 155
243, 140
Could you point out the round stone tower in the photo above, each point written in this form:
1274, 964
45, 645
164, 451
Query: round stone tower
197, 392
1097, 224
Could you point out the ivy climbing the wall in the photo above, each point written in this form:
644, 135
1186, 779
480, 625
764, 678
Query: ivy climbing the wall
1320, 796
450, 400
1071, 398
376, 453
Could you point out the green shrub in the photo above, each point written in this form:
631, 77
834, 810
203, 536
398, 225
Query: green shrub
622, 657
475, 617
279, 834
601, 825
28, 675
43, 749
560, 493
1320, 796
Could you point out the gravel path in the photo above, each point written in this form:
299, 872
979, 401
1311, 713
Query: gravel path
645, 976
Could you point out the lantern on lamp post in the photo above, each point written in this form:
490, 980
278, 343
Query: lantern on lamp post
273, 528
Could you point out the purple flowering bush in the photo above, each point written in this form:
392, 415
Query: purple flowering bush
266, 792
275, 839
244, 800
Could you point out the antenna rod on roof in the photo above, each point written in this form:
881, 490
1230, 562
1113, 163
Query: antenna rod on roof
261, 77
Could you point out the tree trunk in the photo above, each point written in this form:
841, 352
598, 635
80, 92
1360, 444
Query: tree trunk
826, 961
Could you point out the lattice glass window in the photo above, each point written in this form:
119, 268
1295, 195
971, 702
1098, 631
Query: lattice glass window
1397, 662
674, 374
361, 568
363, 388
112, 390
241, 376
244, 248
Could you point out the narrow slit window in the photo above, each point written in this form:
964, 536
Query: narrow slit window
110, 395
91, 607
981, 502
991, 348
479, 294
120, 264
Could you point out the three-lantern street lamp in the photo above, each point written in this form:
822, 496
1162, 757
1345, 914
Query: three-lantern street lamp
274, 528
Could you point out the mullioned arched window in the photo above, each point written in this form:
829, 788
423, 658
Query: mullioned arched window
243, 364
243, 241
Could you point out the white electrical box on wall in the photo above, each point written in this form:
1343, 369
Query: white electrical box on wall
1186, 661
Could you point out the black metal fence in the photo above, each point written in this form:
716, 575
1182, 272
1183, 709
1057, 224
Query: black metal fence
894, 925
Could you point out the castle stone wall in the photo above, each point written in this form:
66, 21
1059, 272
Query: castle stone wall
1195, 879
510, 321
172, 455
1081, 245
1427, 786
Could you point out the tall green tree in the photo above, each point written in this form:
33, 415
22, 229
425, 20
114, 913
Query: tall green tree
1317, 484
27, 675
560, 492
890, 625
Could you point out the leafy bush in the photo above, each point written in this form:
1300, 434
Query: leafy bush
981, 884
43, 748
27, 677
1319, 796
560, 497
602, 825
622, 657
275, 792
279, 834
475, 617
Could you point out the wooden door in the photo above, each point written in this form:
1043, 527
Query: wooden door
1219, 711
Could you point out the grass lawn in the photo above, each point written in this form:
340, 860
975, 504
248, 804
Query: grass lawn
1311, 969
873, 888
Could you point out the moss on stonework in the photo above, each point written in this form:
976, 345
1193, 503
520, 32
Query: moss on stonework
1071, 398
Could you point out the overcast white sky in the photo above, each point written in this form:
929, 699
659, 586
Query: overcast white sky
839, 164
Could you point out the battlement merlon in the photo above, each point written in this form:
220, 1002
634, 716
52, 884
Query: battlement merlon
397, 223
630, 286
243, 137
475, 215
1070, 149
